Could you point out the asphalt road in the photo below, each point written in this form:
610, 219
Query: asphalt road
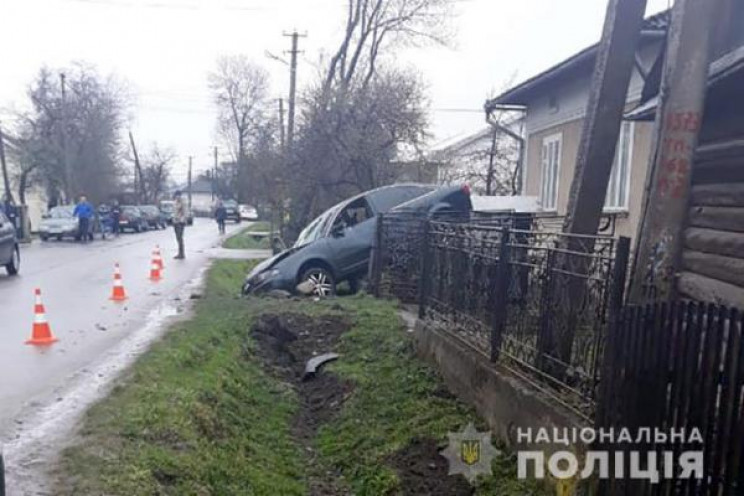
76, 282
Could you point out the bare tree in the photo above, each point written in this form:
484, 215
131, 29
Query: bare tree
240, 90
374, 25
90, 117
156, 165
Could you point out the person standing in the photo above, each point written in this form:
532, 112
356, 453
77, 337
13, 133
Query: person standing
84, 212
115, 218
220, 214
179, 223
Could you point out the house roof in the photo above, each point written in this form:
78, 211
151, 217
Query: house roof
653, 27
199, 185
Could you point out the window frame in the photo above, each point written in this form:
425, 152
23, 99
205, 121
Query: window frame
557, 139
624, 205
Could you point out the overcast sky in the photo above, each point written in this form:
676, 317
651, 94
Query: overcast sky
164, 49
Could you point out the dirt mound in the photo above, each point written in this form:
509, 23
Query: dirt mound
422, 470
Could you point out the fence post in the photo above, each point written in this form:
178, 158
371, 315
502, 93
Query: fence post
614, 317
545, 338
619, 275
375, 259
501, 300
425, 271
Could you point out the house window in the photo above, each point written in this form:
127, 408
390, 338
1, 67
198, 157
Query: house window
551, 159
619, 185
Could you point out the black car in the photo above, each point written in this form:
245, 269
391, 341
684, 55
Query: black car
336, 246
132, 218
232, 210
10, 254
153, 216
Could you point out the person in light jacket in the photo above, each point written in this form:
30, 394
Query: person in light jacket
179, 223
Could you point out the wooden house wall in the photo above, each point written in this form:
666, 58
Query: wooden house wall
713, 256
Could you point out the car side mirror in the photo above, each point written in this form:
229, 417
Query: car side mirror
337, 231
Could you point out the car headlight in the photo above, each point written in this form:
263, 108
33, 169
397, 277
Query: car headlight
265, 276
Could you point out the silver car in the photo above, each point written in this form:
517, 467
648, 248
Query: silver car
59, 223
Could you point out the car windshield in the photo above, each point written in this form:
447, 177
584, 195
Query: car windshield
61, 212
314, 229
230, 204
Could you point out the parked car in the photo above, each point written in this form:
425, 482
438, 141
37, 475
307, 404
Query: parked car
232, 210
59, 223
154, 217
167, 207
336, 246
132, 218
247, 212
10, 253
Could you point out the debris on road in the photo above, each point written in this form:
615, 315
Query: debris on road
312, 365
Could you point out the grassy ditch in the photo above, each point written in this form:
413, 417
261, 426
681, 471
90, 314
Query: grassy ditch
245, 241
217, 407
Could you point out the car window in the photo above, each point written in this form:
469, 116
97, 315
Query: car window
354, 213
316, 228
387, 198
60, 212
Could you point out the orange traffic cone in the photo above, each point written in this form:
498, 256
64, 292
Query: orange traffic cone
117, 292
41, 333
154, 271
158, 258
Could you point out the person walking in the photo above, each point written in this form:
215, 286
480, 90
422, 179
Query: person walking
220, 215
84, 212
179, 223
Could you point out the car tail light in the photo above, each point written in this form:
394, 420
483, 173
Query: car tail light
466, 189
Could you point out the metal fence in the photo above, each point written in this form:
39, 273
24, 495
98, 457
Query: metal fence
395, 268
678, 366
537, 302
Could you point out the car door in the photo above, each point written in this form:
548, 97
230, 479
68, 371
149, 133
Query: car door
351, 236
7, 239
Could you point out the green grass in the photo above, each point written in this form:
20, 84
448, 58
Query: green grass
244, 241
199, 414
395, 397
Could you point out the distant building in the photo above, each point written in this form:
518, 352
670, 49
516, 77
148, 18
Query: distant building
35, 196
468, 160
202, 197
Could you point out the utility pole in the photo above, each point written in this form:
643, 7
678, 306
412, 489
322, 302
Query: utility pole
6, 179
189, 181
214, 174
138, 185
68, 189
678, 120
609, 90
281, 123
607, 98
292, 85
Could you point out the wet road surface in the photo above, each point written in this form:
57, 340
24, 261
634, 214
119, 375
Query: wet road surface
76, 282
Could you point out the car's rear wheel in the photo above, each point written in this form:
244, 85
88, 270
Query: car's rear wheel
320, 281
15, 263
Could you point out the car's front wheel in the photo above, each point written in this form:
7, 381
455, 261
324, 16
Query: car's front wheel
318, 281
15, 263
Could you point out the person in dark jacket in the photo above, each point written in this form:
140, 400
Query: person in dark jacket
220, 215
84, 212
115, 218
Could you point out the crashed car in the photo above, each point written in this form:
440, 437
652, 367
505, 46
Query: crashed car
336, 246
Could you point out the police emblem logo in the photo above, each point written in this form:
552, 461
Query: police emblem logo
470, 453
